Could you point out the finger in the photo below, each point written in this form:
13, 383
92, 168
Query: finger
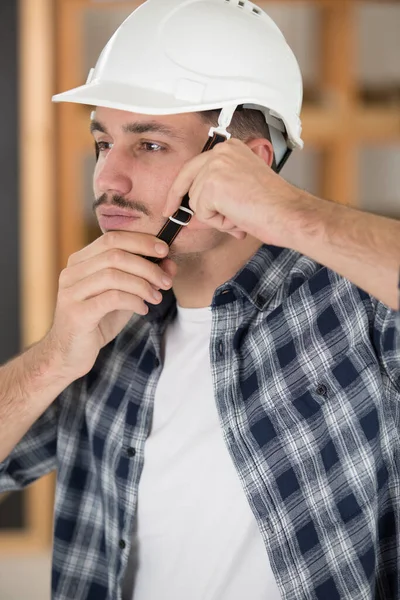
109, 280
136, 243
116, 259
170, 267
239, 235
98, 307
183, 183
227, 225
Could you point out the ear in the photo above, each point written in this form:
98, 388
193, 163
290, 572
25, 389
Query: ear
263, 148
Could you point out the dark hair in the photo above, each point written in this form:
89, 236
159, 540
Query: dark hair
246, 124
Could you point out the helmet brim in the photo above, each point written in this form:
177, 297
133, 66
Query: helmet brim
136, 99
139, 100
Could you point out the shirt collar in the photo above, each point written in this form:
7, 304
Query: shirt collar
261, 277
259, 281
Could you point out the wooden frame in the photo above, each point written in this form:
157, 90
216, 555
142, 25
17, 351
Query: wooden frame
37, 229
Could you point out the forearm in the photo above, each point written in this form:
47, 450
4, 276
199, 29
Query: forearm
28, 385
360, 246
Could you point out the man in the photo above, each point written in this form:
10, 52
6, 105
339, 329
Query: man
237, 438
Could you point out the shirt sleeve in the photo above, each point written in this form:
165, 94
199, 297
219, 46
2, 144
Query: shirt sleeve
398, 294
386, 339
34, 456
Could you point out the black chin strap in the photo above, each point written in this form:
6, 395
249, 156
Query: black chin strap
285, 157
182, 217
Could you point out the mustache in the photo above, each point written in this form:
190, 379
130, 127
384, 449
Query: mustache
120, 202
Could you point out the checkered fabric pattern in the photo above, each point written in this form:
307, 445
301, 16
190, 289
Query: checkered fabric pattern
306, 372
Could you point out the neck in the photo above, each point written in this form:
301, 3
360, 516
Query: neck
200, 274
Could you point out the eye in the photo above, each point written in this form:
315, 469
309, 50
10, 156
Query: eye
152, 147
102, 146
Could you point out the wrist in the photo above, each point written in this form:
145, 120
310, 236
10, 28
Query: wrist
302, 217
43, 367
282, 209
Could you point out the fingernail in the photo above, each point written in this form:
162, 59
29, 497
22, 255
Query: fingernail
157, 296
166, 281
161, 248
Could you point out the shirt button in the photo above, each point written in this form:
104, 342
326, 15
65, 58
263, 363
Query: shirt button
260, 300
122, 544
322, 390
221, 349
131, 452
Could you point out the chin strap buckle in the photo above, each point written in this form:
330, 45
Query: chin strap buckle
186, 210
224, 120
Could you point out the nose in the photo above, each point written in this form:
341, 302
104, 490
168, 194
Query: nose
113, 173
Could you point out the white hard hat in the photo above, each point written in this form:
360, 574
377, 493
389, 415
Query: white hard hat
178, 56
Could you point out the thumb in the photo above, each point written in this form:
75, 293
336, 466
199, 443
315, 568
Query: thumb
169, 267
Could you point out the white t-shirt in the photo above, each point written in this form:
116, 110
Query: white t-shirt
197, 538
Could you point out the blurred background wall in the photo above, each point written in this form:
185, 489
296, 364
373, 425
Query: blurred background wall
9, 178
349, 53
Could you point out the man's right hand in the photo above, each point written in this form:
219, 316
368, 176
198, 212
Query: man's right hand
103, 285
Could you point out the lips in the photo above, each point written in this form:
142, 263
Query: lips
115, 218
117, 222
111, 217
118, 212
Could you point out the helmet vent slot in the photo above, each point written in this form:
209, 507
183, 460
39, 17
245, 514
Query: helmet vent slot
257, 11
241, 4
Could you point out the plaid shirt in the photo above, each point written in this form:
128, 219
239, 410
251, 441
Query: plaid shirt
306, 372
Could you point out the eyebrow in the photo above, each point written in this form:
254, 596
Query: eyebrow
140, 128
